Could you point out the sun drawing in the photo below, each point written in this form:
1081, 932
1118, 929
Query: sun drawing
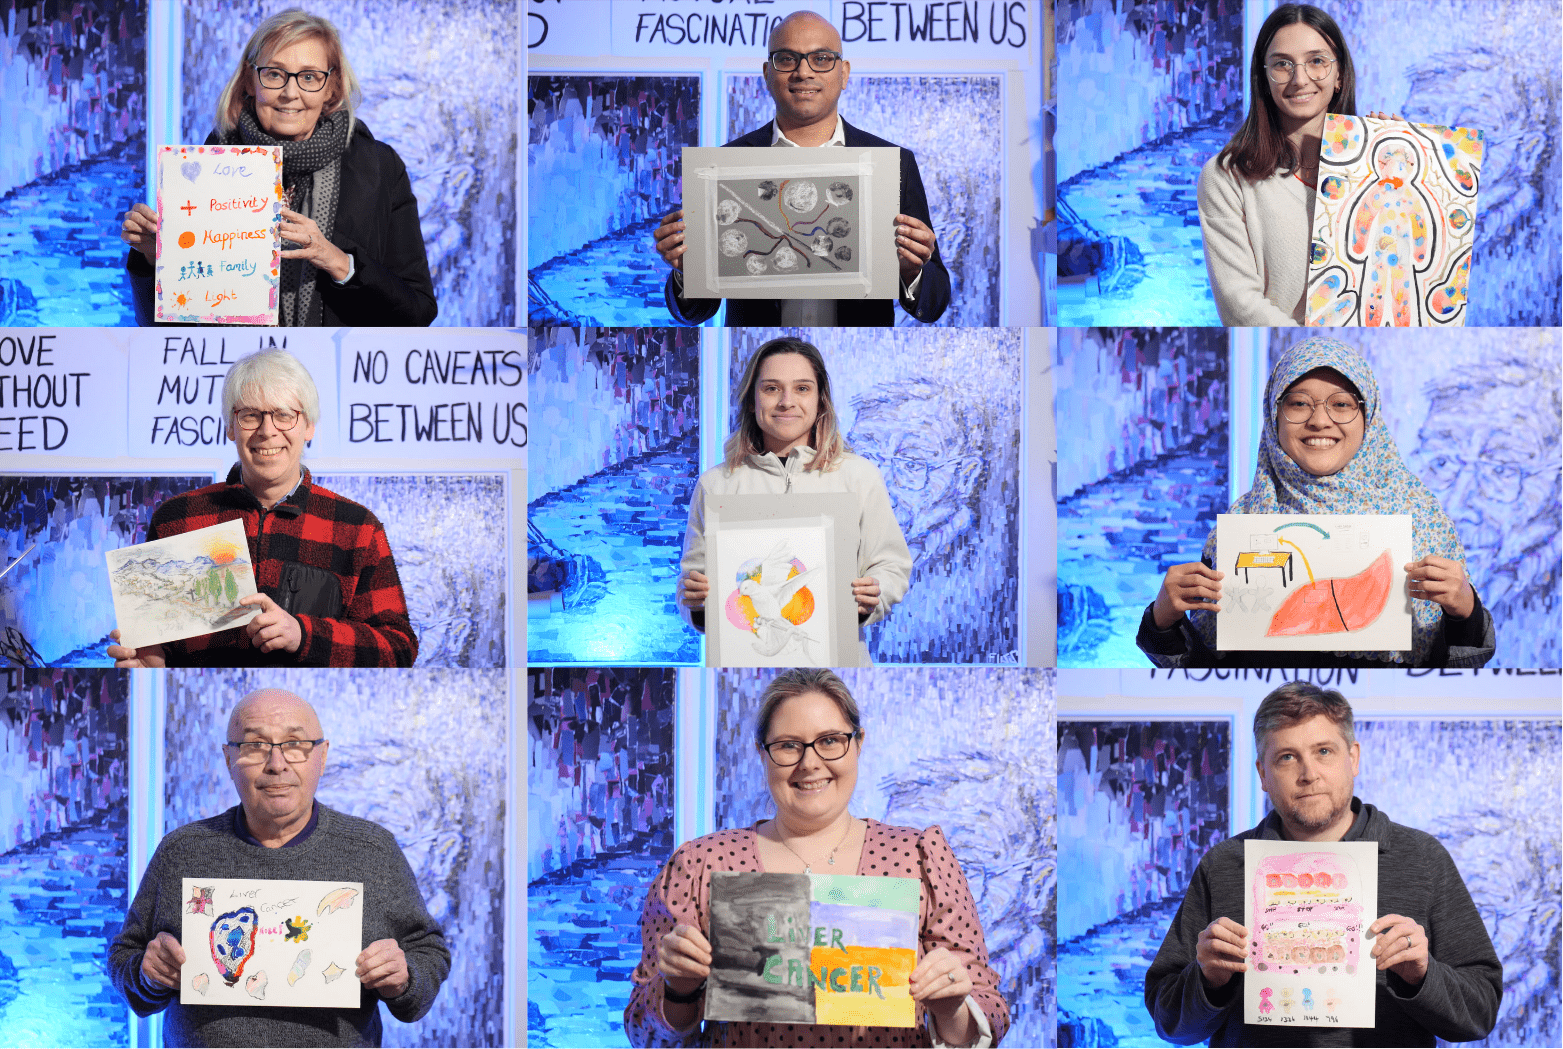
220, 550
739, 608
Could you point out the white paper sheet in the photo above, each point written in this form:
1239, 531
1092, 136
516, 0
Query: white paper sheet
770, 579
1314, 582
260, 942
183, 586
1307, 909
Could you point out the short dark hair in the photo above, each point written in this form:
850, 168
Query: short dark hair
1259, 147
1296, 702
800, 682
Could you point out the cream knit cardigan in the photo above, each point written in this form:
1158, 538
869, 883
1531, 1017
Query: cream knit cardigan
1256, 245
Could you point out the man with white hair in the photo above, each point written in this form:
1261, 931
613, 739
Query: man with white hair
329, 592
276, 751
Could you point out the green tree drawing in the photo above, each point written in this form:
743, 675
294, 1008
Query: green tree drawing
214, 585
232, 589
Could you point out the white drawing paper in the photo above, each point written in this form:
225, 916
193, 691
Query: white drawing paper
1314, 582
779, 223
260, 942
771, 580
183, 586
218, 243
1307, 907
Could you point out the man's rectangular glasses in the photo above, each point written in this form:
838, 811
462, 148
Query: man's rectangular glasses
258, 751
819, 61
281, 418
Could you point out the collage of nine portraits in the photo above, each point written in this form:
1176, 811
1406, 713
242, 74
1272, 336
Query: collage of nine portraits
991, 578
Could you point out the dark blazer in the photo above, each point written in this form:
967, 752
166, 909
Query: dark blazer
377, 224
933, 294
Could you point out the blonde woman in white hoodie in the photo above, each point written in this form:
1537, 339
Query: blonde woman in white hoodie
789, 440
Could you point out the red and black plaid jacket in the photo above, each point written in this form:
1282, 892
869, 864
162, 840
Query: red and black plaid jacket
318, 528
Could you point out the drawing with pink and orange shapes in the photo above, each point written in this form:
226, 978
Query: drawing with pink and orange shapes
772, 601
1308, 918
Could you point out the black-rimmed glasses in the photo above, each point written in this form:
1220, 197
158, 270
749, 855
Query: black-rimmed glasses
281, 418
1280, 69
310, 80
819, 61
831, 747
1340, 407
258, 751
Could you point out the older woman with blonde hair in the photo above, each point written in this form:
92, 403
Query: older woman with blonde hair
788, 441
352, 248
809, 735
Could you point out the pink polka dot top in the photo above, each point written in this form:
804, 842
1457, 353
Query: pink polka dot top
681, 895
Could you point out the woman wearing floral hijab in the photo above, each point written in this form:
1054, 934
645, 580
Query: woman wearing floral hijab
1326, 450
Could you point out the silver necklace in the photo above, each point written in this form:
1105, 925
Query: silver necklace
808, 868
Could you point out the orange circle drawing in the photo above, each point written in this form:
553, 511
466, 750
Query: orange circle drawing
187, 239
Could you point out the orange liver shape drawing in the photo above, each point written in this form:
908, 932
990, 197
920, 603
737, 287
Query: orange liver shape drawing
1332, 606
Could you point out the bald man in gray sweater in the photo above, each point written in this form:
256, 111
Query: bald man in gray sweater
276, 752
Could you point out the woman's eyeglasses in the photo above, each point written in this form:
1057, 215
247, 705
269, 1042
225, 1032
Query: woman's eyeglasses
819, 61
1342, 408
1280, 69
788, 752
310, 80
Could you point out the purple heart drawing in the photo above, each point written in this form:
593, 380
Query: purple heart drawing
190, 169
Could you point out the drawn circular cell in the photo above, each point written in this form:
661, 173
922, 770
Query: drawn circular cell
844, 253
838, 227
755, 264
727, 212
1321, 251
734, 242
767, 190
800, 195
1458, 219
785, 259
821, 245
839, 193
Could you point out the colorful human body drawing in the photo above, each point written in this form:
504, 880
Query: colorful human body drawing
1393, 223
182, 586
1301, 582
1307, 910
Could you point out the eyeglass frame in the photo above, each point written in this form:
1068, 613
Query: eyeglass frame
297, 415
1315, 79
807, 747
240, 744
898, 472
1313, 408
286, 76
802, 57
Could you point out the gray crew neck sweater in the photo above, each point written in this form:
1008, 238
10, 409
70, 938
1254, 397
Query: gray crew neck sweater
343, 848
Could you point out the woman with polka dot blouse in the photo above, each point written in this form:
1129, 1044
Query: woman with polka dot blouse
810, 735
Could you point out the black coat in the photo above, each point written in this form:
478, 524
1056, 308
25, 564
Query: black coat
377, 224
933, 294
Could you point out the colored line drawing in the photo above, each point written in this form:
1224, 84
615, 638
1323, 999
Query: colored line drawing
835, 244
1302, 524
298, 929
1332, 606
201, 982
233, 942
182, 586
336, 900
200, 901
255, 986
332, 971
772, 601
299, 967
1306, 566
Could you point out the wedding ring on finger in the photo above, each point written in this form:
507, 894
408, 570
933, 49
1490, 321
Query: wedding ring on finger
951, 976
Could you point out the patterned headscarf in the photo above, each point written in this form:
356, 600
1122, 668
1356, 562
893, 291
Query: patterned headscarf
1375, 481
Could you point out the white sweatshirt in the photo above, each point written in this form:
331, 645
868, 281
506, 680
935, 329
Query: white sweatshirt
1257, 237
882, 552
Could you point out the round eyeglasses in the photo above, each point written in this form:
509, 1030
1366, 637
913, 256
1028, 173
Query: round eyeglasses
258, 751
310, 80
281, 418
1280, 69
788, 752
1340, 407
819, 61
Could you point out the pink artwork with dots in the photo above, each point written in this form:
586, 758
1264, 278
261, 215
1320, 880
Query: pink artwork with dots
1394, 221
1307, 911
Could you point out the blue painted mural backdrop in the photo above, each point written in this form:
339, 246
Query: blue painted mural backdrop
602, 165
72, 157
1142, 473
600, 825
946, 437
1491, 796
420, 752
64, 815
1474, 63
55, 606
988, 781
449, 536
959, 144
1499, 481
1139, 802
614, 461
435, 76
